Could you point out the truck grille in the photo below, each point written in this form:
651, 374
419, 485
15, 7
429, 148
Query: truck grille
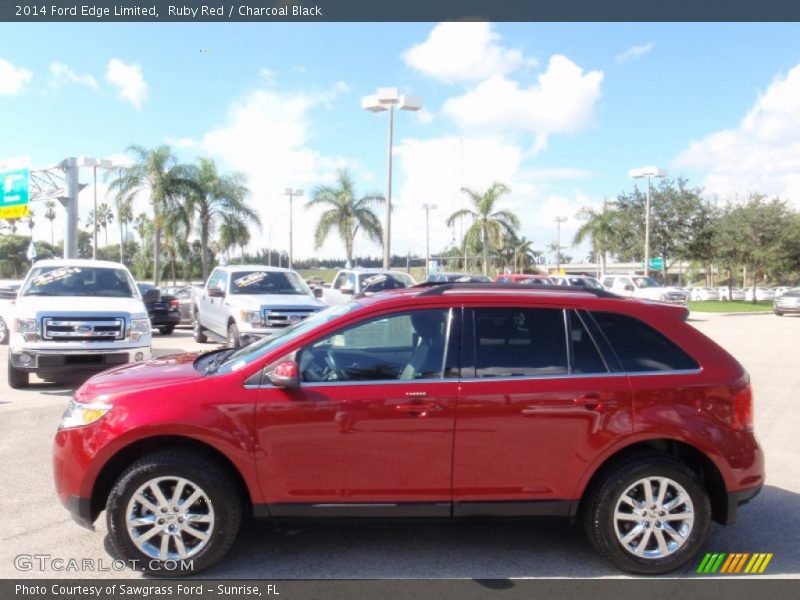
83, 329
285, 317
676, 297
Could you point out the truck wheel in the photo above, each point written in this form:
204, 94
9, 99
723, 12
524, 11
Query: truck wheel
173, 509
649, 515
199, 333
166, 330
233, 336
4, 334
779, 313
17, 379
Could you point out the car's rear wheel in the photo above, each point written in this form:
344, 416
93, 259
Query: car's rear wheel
648, 516
779, 313
234, 341
173, 513
166, 330
17, 379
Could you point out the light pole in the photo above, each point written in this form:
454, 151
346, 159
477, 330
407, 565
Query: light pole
428, 208
291, 193
385, 99
649, 173
559, 221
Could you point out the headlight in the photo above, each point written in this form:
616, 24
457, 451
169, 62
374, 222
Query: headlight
27, 327
78, 414
139, 328
250, 316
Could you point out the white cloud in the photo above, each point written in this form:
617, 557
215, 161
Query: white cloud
128, 79
761, 154
268, 137
184, 142
62, 74
635, 52
562, 101
13, 79
425, 116
462, 51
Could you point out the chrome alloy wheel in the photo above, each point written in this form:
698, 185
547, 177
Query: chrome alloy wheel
170, 518
653, 518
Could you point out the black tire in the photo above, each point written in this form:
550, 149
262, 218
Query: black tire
601, 501
779, 313
199, 332
17, 379
166, 330
4, 332
234, 341
220, 489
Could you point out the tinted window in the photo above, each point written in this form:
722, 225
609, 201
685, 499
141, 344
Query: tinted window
268, 282
585, 356
639, 347
78, 281
519, 342
408, 345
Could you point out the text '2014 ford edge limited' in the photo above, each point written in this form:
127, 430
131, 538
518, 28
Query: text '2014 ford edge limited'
523, 402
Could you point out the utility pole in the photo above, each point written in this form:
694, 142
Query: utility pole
559, 221
291, 193
428, 208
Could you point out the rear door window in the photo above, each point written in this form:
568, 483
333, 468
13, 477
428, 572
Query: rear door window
519, 342
640, 347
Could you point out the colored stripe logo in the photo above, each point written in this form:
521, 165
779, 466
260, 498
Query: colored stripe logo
745, 563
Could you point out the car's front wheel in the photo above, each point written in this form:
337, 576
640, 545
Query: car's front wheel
234, 341
173, 513
17, 379
648, 516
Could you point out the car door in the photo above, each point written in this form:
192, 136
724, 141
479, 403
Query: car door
539, 400
369, 431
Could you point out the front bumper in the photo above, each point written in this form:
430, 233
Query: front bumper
786, 309
80, 509
69, 361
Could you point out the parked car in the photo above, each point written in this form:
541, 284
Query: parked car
703, 294
185, 297
8, 294
780, 290
761, 293
524, 279
445, 277
349, 283
242, 303
579, 281
730, 294
452, 401
645, 288
787, 303
73, 316
164, 310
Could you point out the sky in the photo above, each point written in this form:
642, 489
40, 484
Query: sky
558, 112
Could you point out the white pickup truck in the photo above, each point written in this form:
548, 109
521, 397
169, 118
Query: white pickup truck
241, 303
645, 288
352, 282
76, 315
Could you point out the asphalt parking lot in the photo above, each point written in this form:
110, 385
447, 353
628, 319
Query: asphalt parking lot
32, 521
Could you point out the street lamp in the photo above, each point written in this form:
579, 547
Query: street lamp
649, 173
559, 221
385, 99
291, 193
428, 208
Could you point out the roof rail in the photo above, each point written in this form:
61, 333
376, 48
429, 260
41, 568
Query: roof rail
433, 288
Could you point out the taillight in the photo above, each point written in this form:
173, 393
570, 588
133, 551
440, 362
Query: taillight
174, 303
742, 413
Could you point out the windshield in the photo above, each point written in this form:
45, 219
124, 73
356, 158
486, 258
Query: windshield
586, 282
245, 356
377, 282
645, 282
268, 282
78, 281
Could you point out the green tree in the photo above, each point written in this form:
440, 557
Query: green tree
124, 216
345, 213
599, 229
489, 226
156, 174
50, 215
214, 198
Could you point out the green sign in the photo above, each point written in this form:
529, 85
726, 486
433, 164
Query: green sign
657, 263
14, 193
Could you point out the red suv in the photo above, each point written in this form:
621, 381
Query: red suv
457, 400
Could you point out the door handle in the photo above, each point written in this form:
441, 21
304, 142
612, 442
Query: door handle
418, 408
595, 400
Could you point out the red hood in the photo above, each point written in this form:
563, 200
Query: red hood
159, 372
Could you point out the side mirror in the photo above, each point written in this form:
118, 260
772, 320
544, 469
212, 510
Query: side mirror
215, 293
151, 295
629, 288
317, 292
347, 290
285, 375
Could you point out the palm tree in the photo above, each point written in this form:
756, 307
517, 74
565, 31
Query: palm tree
233, 231
599, 230
104, 216
524, 254
345, 213
157, 174
216, 197
489, 226
124, 216
50, 215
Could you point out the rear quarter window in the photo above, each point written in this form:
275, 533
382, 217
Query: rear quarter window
640, 347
